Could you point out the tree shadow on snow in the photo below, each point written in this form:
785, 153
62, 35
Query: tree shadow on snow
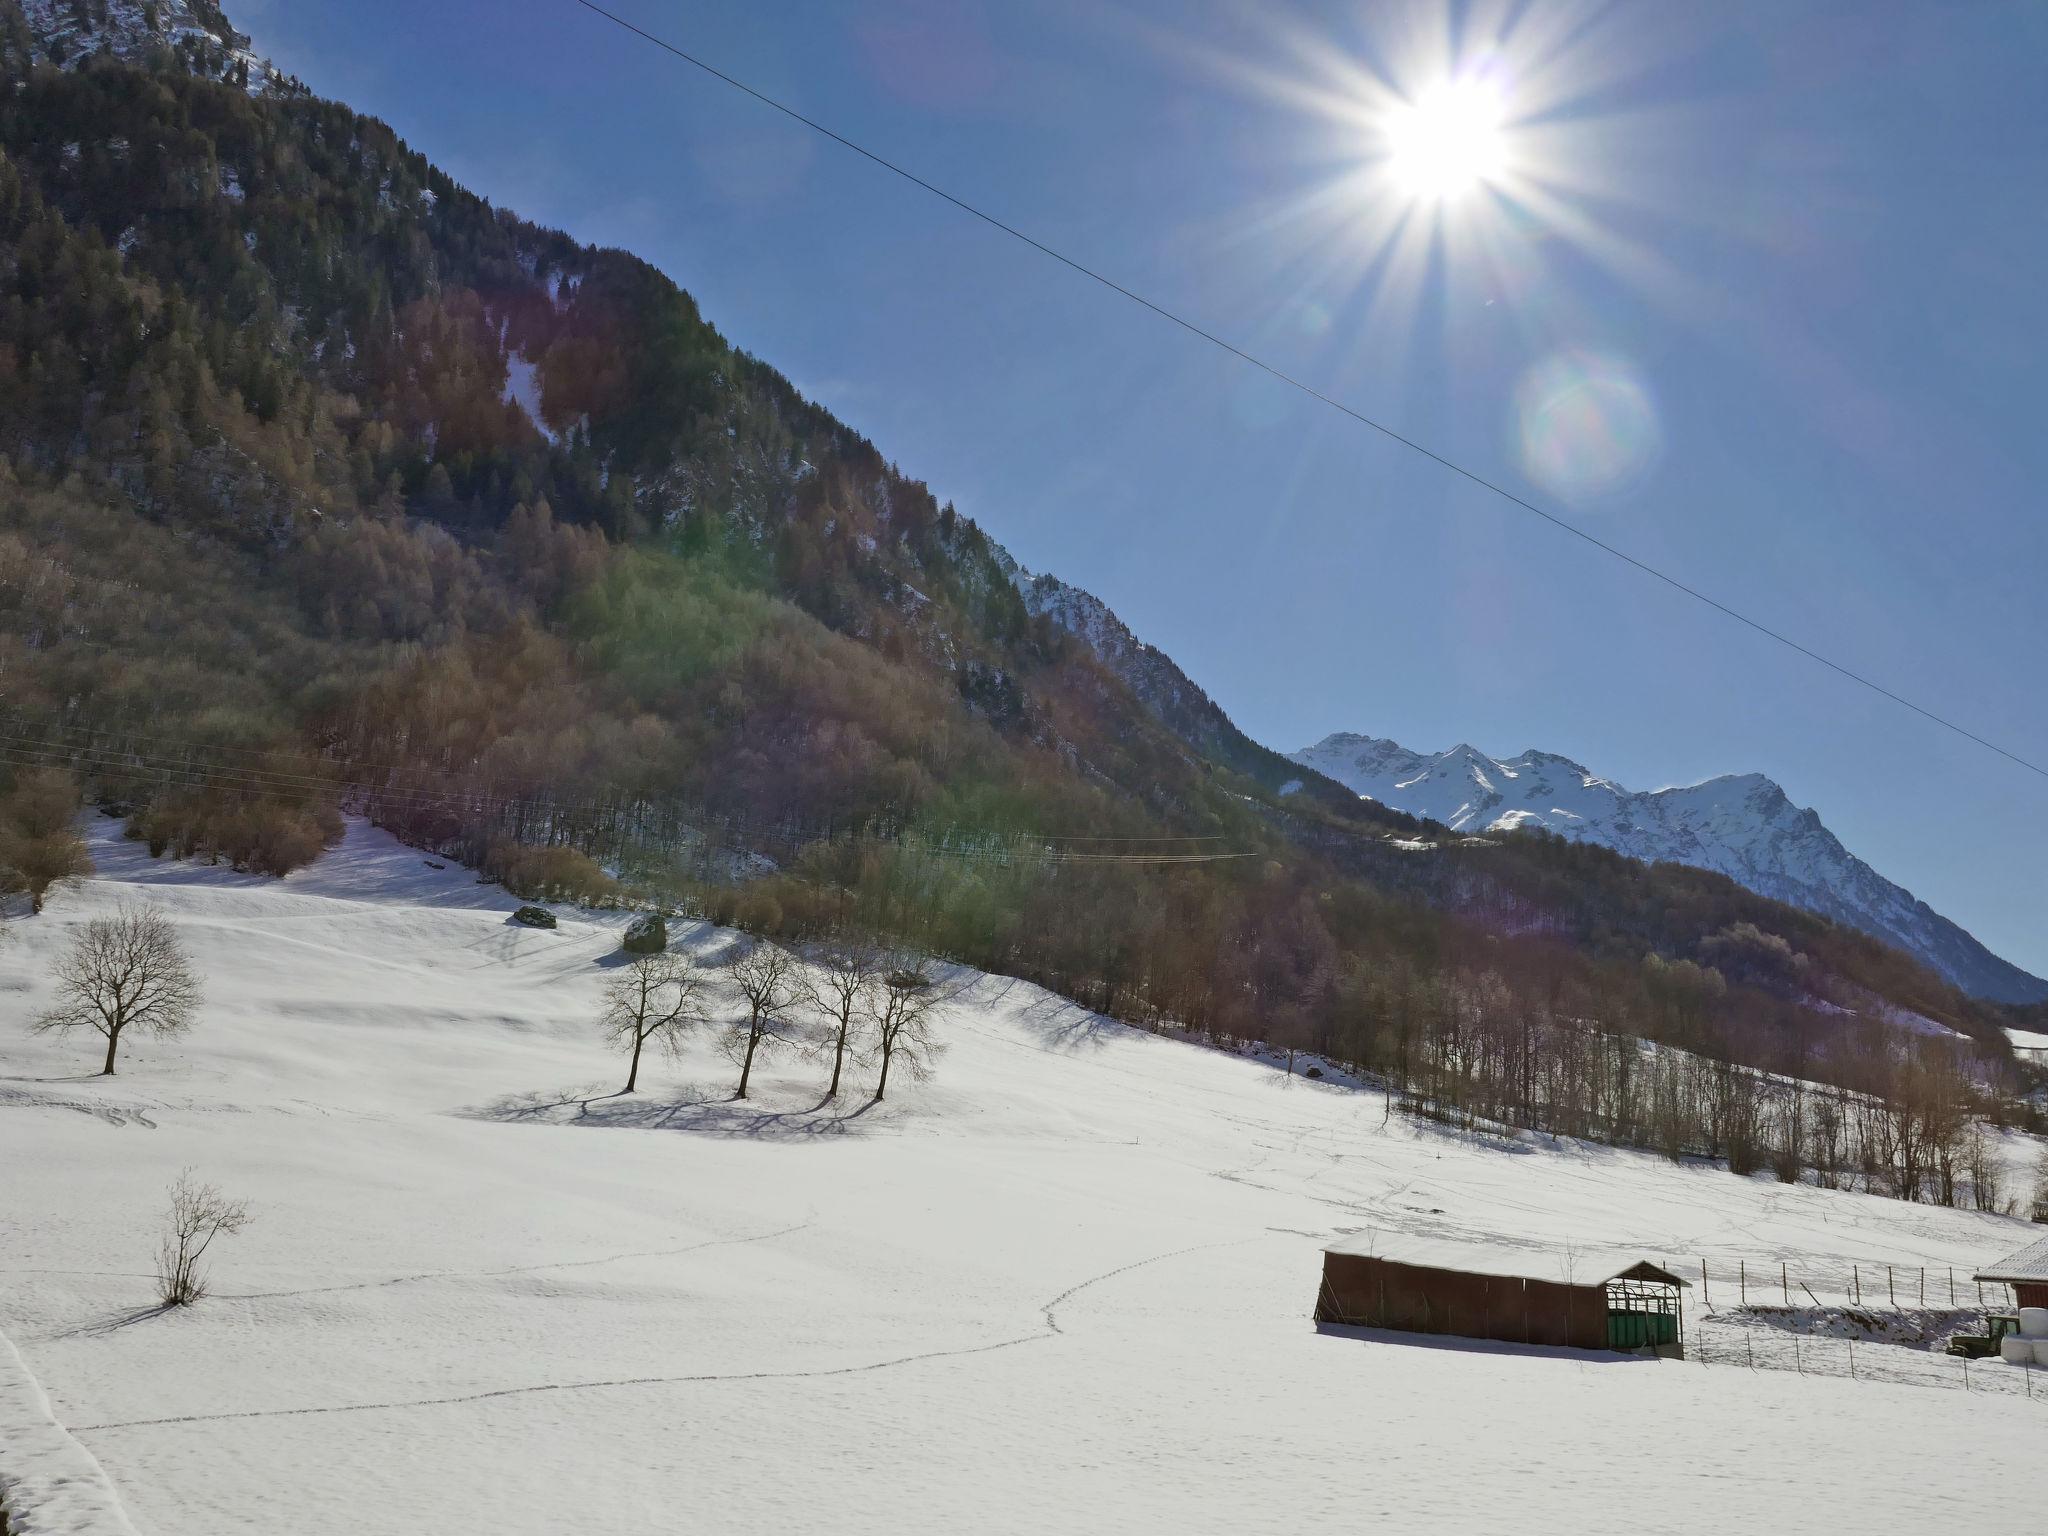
696, 1110
1057, 1023
114, 1324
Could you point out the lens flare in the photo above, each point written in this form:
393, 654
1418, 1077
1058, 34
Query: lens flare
1586, 425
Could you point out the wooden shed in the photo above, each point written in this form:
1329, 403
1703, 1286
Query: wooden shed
1573, 1297
2026, 1272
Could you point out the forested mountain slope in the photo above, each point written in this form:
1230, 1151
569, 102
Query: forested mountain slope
322, 475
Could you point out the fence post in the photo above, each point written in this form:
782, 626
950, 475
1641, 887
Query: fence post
1742, 1278
1852, 1359
1706, 1296
1746, 1350
1798, 1360
1923, 1287
1856, 1280
1784, 1285
1891, 1289
1966, 1371
1951, 1289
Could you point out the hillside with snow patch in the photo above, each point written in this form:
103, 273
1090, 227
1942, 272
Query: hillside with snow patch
1064, 1285
1741, 825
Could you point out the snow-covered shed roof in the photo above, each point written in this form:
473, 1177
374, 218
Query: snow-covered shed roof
2027, 1267
1560, 1266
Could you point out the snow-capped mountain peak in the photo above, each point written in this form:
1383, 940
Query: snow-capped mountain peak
1741, 824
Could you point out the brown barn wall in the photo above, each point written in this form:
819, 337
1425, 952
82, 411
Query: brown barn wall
1377, 1293
2030, 1295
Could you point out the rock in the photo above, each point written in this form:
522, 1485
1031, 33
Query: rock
1313, 1072
534, 917
647, 934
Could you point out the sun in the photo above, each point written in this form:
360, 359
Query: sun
1447, 140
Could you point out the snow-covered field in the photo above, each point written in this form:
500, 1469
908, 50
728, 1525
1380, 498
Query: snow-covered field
1063, 1287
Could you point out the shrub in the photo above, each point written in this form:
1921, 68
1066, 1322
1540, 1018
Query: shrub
757, 911
534, 917
261, 836
552, 873
647, 934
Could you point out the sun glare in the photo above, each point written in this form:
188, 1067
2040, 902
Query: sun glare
1446, 141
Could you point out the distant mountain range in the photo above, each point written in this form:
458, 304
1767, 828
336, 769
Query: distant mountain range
1742, 825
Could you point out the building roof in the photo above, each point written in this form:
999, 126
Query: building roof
2027, 1267
1572, 1265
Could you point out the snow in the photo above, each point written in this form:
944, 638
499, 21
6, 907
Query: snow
522, 388
1064, 1285
1740, 825
2027, 1039
1567, 1265
131, 29
50, 1482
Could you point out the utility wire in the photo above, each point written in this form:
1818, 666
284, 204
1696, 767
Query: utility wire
1305, 388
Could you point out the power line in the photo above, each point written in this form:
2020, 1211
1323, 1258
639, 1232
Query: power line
1305, 388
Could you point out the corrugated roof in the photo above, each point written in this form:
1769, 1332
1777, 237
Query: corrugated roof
1560, 1266
2028, 1266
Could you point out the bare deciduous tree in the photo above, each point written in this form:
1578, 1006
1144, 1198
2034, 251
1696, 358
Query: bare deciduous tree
124, 972
901, 1011
654, 998
765, 974
840, 989
199, 1214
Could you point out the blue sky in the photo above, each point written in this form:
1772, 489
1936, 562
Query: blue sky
1787, 254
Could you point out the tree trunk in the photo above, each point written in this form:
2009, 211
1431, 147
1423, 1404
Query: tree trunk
882, 1082
633, 1072
747, 1066
113, 1039
838, 1059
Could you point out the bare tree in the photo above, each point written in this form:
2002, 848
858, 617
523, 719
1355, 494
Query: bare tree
765, 974
901, 1012
199, 1214
654, 998
840, 989
1987, 1177
124, 972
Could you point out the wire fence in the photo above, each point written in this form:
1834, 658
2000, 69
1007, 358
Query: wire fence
1863, 1322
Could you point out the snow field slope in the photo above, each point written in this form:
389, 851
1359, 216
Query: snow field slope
1065, 1286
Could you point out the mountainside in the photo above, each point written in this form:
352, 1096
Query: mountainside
194, 34
1172, 697
326, 484
463, 1245
1741, 825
